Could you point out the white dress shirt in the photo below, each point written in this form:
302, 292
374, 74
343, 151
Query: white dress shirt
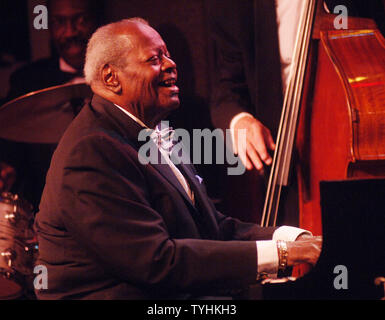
65, 67
288, 17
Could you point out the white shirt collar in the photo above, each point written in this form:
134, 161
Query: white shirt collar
140, 122
65, 67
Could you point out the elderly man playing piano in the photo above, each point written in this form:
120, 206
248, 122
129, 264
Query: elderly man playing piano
111, 227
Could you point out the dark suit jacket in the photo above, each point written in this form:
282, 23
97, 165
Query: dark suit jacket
246, 74
110, 227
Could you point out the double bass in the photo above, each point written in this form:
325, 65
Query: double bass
333, 116
333, 111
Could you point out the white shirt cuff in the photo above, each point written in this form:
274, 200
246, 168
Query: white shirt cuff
267, 257
288, 233
232, 125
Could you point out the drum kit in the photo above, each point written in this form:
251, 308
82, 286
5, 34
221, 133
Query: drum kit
18, 246
38, 117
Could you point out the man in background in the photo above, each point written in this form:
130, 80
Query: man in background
252, 43
23, 166
71, 22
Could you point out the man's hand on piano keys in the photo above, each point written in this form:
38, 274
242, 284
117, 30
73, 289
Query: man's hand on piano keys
306, 249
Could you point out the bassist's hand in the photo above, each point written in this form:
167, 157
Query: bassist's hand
254, 150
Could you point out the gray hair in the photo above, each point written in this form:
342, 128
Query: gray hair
106, 46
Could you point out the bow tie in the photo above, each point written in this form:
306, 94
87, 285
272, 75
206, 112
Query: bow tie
163, 138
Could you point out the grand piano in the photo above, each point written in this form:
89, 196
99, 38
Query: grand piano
352, 262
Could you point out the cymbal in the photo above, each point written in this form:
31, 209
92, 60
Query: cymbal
41, 116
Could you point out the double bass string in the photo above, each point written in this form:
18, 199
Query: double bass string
272, 191
286, 132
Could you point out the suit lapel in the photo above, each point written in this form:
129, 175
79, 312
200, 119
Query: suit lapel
201, 211
202, 206
167, 173
200, 197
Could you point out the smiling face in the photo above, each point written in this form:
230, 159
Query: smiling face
71, 25
149, 77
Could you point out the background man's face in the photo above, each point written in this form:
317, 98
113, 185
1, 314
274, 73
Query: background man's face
149, 77
71, 25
